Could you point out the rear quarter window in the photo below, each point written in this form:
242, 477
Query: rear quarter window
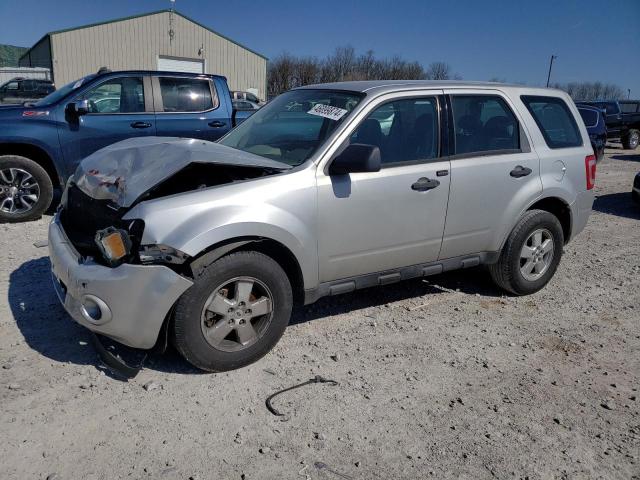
555, 121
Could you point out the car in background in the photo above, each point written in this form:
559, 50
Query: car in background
250, 97
622, 119
594, 120
41, 144
245, 105
20, 90
635, 191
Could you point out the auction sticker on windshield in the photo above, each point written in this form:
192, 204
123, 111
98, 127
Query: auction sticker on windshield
327, 111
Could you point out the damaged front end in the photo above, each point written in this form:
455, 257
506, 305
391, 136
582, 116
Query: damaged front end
106, 278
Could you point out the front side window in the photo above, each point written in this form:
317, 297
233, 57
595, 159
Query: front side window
555, 120
12, 86
118, 95
404, 130
185, 94
484, 123
294, 125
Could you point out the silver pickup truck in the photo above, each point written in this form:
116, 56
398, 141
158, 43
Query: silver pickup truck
325, 190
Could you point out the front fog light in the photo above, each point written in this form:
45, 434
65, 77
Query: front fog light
114, 244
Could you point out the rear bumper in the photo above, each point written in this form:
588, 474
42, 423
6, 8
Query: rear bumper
580, 211
128, 303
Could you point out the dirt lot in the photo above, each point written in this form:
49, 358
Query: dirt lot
440, 379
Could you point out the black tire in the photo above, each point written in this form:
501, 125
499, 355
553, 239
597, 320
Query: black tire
506, 272
631, 140
189, 338
44, 189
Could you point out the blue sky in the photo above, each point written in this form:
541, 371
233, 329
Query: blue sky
511, 40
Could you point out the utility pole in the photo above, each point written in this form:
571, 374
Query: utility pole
628, 93
553, 57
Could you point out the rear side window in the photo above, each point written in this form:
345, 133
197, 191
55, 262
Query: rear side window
484, 123
185, 94
555, 120
589, 117
629, 107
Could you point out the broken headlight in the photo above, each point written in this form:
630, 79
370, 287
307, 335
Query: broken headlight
114, 244
161, 254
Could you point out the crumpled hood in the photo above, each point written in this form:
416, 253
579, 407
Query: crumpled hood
125, 170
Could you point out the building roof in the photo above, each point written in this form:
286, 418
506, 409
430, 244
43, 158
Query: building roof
167, 10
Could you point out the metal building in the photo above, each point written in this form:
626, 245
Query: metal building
162, 40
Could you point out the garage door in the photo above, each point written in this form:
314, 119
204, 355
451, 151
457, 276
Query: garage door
180, 65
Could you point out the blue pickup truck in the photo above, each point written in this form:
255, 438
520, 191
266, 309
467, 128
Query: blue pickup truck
42, 143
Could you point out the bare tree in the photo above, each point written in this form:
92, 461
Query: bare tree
439, 71
587, 91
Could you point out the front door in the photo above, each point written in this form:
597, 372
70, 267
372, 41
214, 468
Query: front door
190, 107
119, 108
372, 222
494, 173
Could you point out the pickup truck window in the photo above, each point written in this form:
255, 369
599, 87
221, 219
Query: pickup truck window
555, 121
629, 107
118, 95
484, 123
294, 125
185, 94
404, 130
62, 92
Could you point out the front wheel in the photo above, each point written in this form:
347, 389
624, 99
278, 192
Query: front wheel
531, 254
26, 190
236, 311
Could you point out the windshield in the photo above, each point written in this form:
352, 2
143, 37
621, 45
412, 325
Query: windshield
290, 128
62, 92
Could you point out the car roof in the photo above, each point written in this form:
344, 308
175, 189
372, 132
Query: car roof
379, 87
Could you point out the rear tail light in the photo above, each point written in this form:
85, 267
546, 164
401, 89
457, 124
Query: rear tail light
590, 170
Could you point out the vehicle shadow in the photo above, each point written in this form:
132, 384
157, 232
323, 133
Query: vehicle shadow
48, 329
619, 204
470, 282
626, 158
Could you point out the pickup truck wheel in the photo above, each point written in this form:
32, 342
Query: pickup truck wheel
631, 140
26, 190
531, 254
236, 311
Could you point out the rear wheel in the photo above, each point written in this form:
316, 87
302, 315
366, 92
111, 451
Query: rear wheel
26, 190
631, 140
236, 311
531, 254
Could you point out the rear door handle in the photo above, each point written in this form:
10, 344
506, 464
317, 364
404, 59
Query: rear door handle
423, 184
217, 124
520, 171
140, 125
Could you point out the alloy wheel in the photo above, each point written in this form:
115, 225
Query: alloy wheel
536, 254
19, 191
237, 314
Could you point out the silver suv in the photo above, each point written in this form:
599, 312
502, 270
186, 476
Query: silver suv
325, 190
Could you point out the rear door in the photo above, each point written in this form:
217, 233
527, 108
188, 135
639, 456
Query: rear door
190, 107
120, 107
494, 171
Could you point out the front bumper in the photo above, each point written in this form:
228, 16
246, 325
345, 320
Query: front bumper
128, 303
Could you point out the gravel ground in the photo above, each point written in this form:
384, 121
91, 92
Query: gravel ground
445, 378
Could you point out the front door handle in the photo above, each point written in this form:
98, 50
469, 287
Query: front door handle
140, 125
520, 171
217, 124
423, 184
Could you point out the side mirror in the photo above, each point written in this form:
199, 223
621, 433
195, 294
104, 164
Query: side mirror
357, 157
78, 108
